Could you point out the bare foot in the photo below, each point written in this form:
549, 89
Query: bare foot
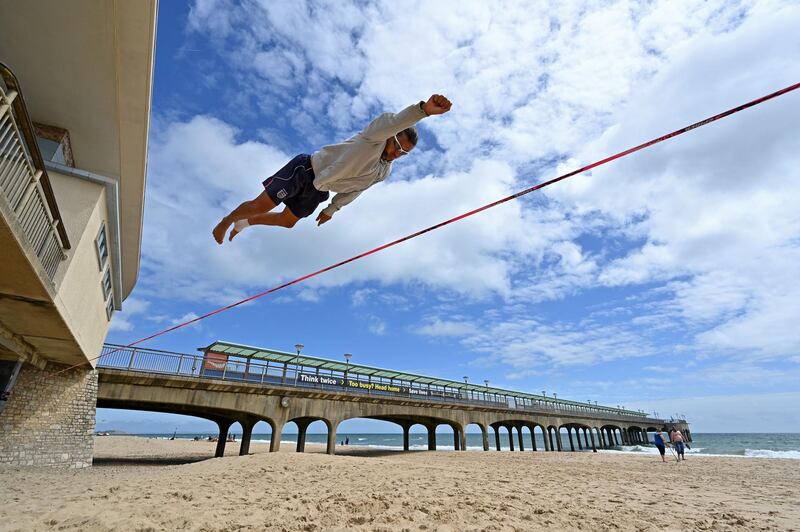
220, 230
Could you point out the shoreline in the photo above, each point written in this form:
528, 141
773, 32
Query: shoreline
625, 449
148, 483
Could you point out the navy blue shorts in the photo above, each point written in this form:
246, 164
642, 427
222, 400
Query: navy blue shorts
294, 186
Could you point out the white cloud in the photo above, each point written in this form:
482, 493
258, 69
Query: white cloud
122, 320
377, 326
191, 191
716, 208
438, 327
704, 227
189, 316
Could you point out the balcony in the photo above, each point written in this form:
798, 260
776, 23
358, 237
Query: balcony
26, 197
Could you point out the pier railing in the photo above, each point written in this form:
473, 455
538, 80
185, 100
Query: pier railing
286, 374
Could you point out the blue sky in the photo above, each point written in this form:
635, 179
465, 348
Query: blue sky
666, 281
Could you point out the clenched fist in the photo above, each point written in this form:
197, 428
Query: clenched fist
436, 105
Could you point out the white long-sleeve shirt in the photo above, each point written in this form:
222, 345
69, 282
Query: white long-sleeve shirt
351, 167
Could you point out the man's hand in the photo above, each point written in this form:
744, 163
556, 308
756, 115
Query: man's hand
322, 218
436, 105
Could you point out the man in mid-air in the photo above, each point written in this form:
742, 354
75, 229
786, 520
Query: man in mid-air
348, 169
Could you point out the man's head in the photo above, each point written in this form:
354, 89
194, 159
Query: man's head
400, 144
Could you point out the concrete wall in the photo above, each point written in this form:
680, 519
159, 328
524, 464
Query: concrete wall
49, 419
79, 296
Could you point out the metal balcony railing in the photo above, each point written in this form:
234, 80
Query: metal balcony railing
23, 179
286, 374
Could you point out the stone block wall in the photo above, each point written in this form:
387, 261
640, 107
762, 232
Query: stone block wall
49, 418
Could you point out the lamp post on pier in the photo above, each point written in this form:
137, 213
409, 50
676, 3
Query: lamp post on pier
347, 357
298, 348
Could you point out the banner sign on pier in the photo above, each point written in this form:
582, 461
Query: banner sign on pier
336, 382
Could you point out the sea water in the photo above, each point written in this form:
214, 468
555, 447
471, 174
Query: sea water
748, 445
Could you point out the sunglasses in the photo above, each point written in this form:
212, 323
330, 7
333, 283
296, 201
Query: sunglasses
400, 147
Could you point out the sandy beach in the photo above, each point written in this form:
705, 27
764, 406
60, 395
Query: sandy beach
149, 484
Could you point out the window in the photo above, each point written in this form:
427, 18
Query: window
102, 246
107, 283
54, 144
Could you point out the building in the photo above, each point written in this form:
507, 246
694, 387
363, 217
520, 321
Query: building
75, 95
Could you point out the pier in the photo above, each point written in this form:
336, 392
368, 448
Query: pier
229, 383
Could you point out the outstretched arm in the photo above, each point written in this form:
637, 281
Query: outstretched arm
389, 124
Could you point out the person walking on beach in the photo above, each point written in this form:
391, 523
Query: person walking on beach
660, 442
348, 168
677, 439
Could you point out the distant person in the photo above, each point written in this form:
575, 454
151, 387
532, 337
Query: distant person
347, 441
348, 169
660, 441
677, 439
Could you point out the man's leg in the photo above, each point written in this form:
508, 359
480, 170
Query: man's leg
284, 218
262, 204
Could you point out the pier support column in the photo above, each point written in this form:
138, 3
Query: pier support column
431, 437
485, 433
331, 449
546, 438
224, 425
645, 438
533, 437
275, 439
578, 438
456, 440
594, 447
519, 434
510, 437
463, 435
559, 443
571, 445
302, 427
497, 436
586, 437
406, 437
247, 433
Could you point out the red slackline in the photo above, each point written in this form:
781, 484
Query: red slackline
465, 215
